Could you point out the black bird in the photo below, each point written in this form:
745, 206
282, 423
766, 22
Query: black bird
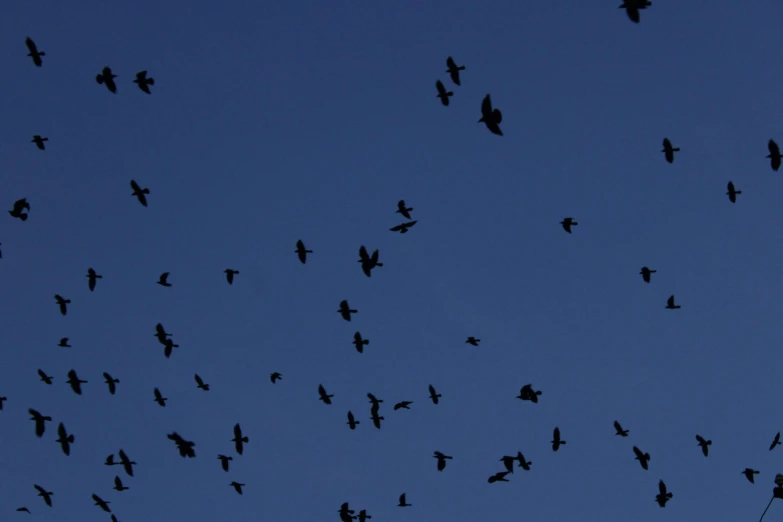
402, 209
168, 347
374, 401
491, 117
345, 311
351, 421
322, 395
402, 501
632, 8
92, 278
200, 383
668, 150
643, 458
443, 94
2, 400
19, 206
376, 419
75, 382
774, 155
663, 496
498, 477
114, 518
403, 405
556, 441
106, 77
224, 461
670, 304
39, 141
64, 439
508, 462
705, 444
526, 393
160, 333
646, 274
274, 377
472, 340
732, 192
301, 251
185, 447
345, 513
230, 273
44, 378
237, 486
160, 399
441, 460
775, 442
620, 431
126, 463
104, 505
34, 53
359, 342
23, 509
139, 192
118, 484
363, 516
453, 70
111, 382
568, 223
143, 82
40, 421
164, 279
433, 395
62, 303
46, 495
749, 474
522, 463
368, 262
238, 439
402, 228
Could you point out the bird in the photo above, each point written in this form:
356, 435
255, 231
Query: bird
643, 458
2, 400
346, 512
368, 262
224, 461
646, 274
185, 447
40, 421
92, 278
104, 505
345, 311
160, 399
352, 422
522, 463
441, 460
139, 192
23, 509
453, 70
62, 303
526, 393
668, 150
556, 440
143, 82
775, 442
160, 333
274, 377
238, 439
163, 280
301, 251
359, 342
126, 463
403, 503
774, 155
663, 496
106, 77
620, 431
491, 117
732, 192
498, 477
75, 382
404, 405
749, 474
112, 382
402, 209
375, 418
670, 304
230, 273
433, 395
64, 343
443, 94
363, 516
200, 383
34, 53
169, 347
46, 495
44, 378
402, 228
322, 395
64, 439
508, 462
19, 206
568, 223
632, 8
118, 484
39, 141
237, 486
473, 341
705, 444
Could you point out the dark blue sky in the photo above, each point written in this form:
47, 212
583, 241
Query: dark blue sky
272, 123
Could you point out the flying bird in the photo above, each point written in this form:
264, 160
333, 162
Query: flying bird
92, 278
345, 311
126, 463
106, 77
774, 155
19, 206
200, 383
376, 402
352, 422
568, 223
403, 503
104, 505
441, 460
62, 303
44, 378
670, 304
224, 461
646, 274
749, 474
75, 382
404, 405
632, 8
274, 377
164, 279
402, 209
237, 486
322, 395
346, 513
34, 53
301, 251
368, 262
526, 393
498, 477
160, 399
643, 458
39, 141
23, 509
64, 439
668, 150
473, 341
40, 421
359, 342
522, 463
732, 192
375, 418
433, 395
508, 462
556, 440
402, 228
230, 273
168, 347
238, 439
139, 192
775, 442
118, 484
453, 70
491, 117
143, 82
443, 94
363, 516
620, 431
705, 444
46, 495
663, 496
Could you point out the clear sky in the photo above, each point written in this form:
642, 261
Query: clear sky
271, 122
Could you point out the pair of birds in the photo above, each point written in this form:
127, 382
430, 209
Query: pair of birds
645, 273
347, 514
73, 380
106, 77
453, 70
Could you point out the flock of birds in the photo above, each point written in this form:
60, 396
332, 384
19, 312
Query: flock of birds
492, 118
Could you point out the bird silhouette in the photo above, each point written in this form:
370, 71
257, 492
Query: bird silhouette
64, 439
368, 262
39, 141
140, 193
92, 278
164, 279
404, 405
301, 251
632, 8
556, 440
363, 516
498, 477
508, 462
237, 486
168, 347
403, 210
491, 117
75, 382
20, 205
352, 422
274, 377
346, 512
453, 70
359, 342
200, 383
224, 461
670, 304
230, 273
185, 447
160, 399
472, 340
668, 150
620, 431
126, 463
705, 444
402, 228
732, 192
433, 395
24, 509
774, 155
45, 495
376, 402
443, 94
345, 311
775, 442
643, 458
522, 463
749, 474
646, 274
44, 378
403, 503
238, 439
118, 484
441, 460
62, 304
104, 505
526, 393
40, 421
34, 53
375, 418
106, 77
322, 395
568, 223
143, 82
663, 496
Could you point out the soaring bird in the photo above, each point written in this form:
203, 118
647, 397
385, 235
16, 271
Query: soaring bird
670, 304
402, 228
352, 422
238, 439
443, 94
522, 463
143, 82
434, 395
359, 342
404, 405
46, 495
92, 278
237, 486
498, 477
620, 431
732, 192
62, 304
323, 396
163, 280
34, 53
200, 383
23, 509
39, 141
556, 440
160, 399
64, 439
403, 503
301, 251
441, 460
473, 341
705, 444
668, 150
126, 463
749, 474
169, 347
104, 505
774, 155
491, 117
663, 496
44, 378
646, 274
40, 421
775, 442
75, 382
643, 458
139, 192
568, 223
345, 311
106, 77
118, 484
230, 273
453, 70
363, 516
402, 209
224, 461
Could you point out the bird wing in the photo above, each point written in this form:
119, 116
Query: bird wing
662, 487
773, 148
617, 426
198, 380
237, 431
486, 106
363, 253
135, 186
450, 63
61, 431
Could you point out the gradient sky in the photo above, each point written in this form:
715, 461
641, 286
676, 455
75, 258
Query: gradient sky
271, 122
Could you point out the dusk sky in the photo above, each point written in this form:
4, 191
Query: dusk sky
271, 122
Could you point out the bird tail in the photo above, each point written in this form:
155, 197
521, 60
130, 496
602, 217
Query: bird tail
151, 81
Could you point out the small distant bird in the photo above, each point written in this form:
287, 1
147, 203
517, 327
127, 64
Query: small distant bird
64, 343
663, 496
403, 405
453, 70
441, 460
368, 262
498, 477
352, 422
508, 462
363, 516
23, 509
118, 484
126, 463
45, 495
237, 486
104, 505
169, 347
345, 311
346, 512
160, 333
160, 399
34, 53
185, 447
522, 463
705, 444
443, 94
568, 223
39, 141
301, 251
139, 192
646, 274
322, 395
359, 342
164, 279
670, 304
774, 155
491, 117
632, 8
732, 192
526, 393
75, 382
403, 503
620, 431
402, 209
402, 228
433, 395
40, 421
472, 340
111, 382
106, 77
749, 474
19, 206
775, 442
668, 150
224, 461
143, 82
643, 458
44, 378
274, 377
92, 278
238, 439
62, 303
556, 440
200, 383
230, 273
